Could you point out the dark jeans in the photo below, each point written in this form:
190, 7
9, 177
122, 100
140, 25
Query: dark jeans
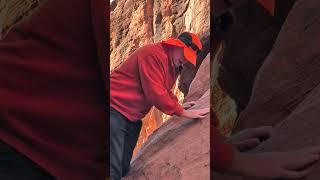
15, 166
124, 135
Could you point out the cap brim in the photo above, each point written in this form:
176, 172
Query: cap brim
190, 55
174, 42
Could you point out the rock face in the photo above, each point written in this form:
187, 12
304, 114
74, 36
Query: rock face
286, 91
13, 11
180, 148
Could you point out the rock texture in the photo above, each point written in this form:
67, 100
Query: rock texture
286, 92
13, 11
180, 148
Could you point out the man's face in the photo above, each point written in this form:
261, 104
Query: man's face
178, 58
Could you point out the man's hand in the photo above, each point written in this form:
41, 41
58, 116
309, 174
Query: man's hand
196, 113
250, 138
188, 105
275, 165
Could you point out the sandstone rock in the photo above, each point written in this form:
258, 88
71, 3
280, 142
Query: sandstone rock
287, 88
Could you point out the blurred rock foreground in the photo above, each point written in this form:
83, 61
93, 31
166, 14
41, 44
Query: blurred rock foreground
286, 89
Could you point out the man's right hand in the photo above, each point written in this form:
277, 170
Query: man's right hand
250, 138
275, 165
195, 113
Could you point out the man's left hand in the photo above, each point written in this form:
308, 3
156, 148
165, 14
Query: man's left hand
250, 138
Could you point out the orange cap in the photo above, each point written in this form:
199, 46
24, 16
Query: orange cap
190, 43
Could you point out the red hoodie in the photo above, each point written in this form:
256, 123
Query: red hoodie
222, 153
52, 96
145, 80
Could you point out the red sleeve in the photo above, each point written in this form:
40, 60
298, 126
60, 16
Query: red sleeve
222, 153
152, 77
180, 108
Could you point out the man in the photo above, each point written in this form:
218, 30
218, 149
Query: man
144, 80
52, 94
228, 155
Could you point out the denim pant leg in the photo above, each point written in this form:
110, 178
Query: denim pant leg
118, 131
15, 166
124, 135
130, 143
